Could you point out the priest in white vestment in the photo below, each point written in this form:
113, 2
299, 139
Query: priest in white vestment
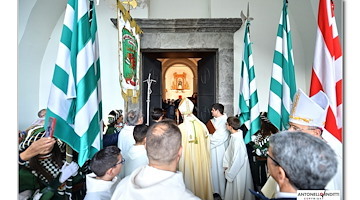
236, 164
159, 180
219, 141
195, 160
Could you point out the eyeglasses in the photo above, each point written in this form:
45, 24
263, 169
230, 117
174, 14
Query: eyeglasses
278, 164
121, 162
267, 155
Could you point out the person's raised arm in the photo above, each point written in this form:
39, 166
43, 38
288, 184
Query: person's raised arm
42, 146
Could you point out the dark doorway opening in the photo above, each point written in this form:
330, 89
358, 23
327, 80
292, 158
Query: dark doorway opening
206, 83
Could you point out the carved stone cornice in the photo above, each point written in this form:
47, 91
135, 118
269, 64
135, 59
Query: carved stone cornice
229, 25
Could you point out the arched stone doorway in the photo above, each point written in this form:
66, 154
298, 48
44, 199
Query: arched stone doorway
212, 40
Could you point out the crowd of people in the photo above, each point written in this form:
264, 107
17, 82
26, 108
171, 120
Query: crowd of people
170, 108
182, 160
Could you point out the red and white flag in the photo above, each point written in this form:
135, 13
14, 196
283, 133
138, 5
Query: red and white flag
327, 76
327, 68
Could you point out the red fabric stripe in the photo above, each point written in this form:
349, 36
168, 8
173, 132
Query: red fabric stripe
334, 48
338, 88
331, 125
337, 48
315, 84
324, 26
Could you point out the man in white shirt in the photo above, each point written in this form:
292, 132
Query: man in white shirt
219, 141
159, 180
105, 165
299, 161
136, 156
126, 139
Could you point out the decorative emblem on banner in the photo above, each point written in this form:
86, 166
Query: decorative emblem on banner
130, 54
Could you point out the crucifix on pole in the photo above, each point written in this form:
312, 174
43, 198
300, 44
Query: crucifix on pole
149, 81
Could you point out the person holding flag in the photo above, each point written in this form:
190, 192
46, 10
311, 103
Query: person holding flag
75, 102
43, 172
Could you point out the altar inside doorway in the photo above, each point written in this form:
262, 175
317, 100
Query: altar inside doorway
179, 81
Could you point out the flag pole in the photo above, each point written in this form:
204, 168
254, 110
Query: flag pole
126, 108
69, 154
69, 183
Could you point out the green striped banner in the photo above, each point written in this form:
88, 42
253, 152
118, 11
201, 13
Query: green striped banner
283, 83
75, 93
248, 99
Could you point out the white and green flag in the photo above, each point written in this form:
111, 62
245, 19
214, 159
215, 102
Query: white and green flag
248, 100
75, 93
283, 83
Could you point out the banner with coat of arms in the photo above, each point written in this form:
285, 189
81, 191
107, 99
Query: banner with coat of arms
129, 51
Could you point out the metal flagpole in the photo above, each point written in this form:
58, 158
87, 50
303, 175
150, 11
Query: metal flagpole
149, 81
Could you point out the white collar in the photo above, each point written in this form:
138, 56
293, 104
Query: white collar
285, 195
95, 185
